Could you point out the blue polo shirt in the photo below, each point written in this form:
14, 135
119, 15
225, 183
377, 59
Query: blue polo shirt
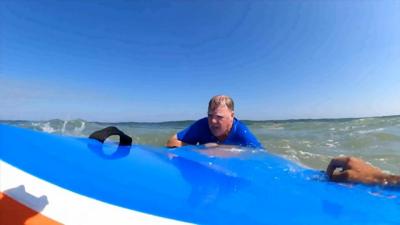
199, 133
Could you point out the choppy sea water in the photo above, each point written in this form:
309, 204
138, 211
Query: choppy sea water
311, 142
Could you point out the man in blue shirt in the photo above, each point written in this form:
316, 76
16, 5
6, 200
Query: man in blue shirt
220, 127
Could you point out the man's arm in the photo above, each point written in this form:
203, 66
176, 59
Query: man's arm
356, 170
173, 142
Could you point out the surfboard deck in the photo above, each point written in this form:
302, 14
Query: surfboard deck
192, 184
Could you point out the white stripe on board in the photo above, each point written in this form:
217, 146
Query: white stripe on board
66, 206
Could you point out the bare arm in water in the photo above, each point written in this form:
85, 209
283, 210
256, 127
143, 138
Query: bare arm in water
356, 170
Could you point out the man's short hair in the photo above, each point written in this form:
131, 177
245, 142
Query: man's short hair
219, 100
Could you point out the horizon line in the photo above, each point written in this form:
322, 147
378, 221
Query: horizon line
189, 120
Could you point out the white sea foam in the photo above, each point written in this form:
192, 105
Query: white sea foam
47, 128
308, 154
63, 127
285, 147
370, 131
329, 145
78, 130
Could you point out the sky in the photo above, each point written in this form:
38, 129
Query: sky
156, 61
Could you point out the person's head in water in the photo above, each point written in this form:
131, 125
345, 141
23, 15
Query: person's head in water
217, 128
220, 115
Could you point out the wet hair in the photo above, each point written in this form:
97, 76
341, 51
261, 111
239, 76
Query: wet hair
219, 100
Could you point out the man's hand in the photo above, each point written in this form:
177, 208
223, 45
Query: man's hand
173, 142
211, 145
355, 170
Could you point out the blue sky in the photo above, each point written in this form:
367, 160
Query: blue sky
163, 60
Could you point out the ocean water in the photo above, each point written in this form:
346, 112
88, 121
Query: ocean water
310, 142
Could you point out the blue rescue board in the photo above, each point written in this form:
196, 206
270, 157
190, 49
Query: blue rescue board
194, 184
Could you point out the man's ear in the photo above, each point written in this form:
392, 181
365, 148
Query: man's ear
233, 114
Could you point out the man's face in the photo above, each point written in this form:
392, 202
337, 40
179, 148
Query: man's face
220, 121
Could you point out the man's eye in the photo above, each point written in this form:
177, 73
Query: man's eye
215, 117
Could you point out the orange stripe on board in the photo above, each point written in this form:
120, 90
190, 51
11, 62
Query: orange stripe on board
15, 213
